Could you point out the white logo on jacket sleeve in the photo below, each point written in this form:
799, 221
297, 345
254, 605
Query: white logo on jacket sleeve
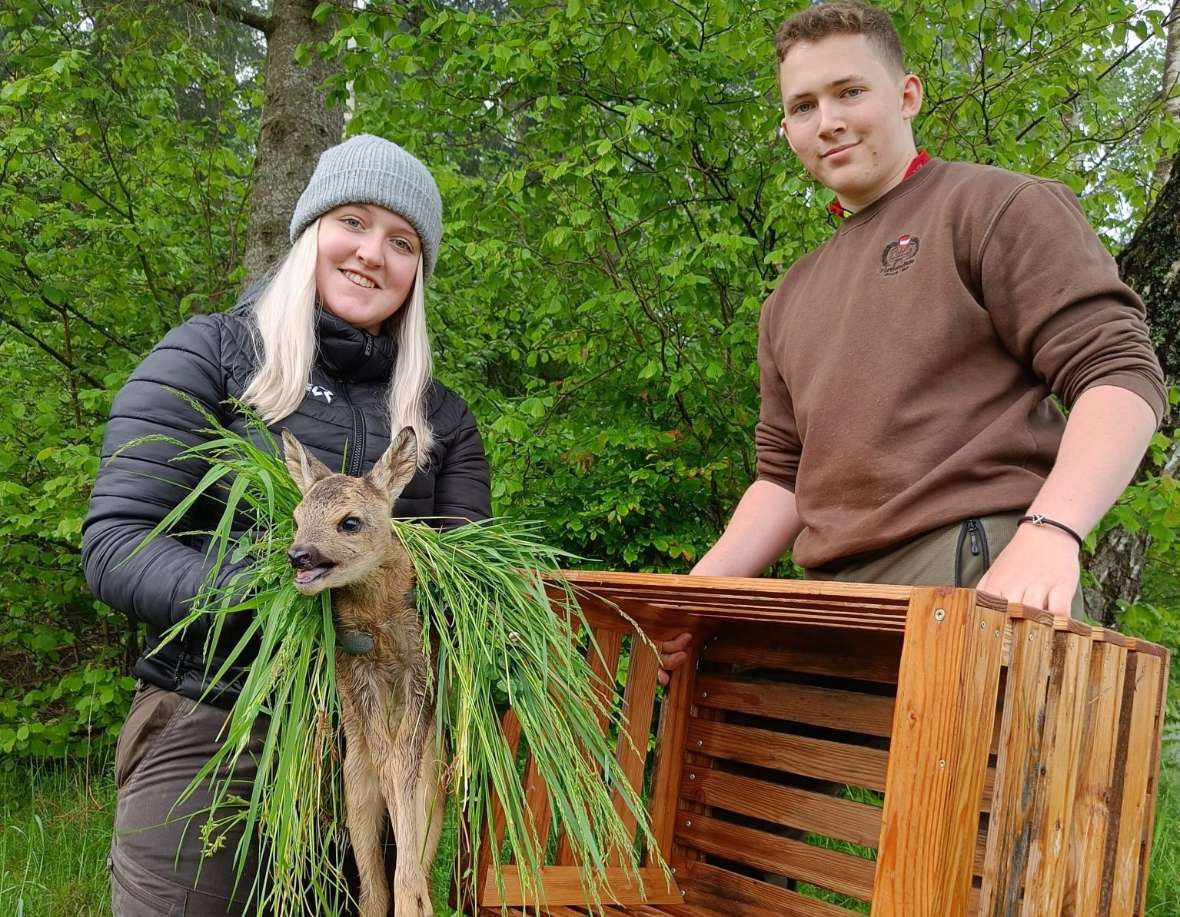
318, 391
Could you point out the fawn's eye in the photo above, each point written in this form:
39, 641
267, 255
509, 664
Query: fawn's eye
350, 524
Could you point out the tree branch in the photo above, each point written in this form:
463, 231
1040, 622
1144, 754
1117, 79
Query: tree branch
94, 383
231, 10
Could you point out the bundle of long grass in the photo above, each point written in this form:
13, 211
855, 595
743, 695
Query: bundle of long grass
494, 635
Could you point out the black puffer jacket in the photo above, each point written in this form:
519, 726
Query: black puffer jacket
344, 413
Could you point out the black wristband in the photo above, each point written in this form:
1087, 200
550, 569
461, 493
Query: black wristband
1039, 520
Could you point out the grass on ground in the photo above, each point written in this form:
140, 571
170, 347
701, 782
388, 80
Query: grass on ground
55, 824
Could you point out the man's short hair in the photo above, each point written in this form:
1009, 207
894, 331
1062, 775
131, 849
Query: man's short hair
842, 17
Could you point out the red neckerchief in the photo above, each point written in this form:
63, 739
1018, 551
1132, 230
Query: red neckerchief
837, 209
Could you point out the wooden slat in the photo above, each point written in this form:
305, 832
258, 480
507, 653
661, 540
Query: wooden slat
850, 711
1153, 786
821, 758
638, 703
536, 803
823, 620
663, 583
669, 765
1137, 757
950, 672
603, 612
561, 885
1017, 769
716, 891
694, 764
867, 657
679, 910
1096, 763
831, 869
510, 727
1054, 808
603, 665
843, 819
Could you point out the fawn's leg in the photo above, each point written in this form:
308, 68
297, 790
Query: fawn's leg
400, 777
431, 796
364, 810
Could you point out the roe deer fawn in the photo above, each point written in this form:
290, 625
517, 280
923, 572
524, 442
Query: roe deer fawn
344, 542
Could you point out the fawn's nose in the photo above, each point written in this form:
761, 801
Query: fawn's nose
302, 558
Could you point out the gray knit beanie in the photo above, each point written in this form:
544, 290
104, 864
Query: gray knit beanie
371, 170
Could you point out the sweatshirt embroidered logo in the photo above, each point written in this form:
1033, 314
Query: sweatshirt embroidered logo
317, 391
899, 255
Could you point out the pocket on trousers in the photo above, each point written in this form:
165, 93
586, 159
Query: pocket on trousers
152, 711
128, 899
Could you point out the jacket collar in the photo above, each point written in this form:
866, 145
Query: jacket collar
346, 352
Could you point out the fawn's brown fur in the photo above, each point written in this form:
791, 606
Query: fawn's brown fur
343, 542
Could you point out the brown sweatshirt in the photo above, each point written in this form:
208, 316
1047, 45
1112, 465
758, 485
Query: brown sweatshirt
906, 364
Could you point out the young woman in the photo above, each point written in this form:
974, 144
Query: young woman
335, 349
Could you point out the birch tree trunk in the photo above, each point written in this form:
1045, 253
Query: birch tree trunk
1171, 81
1150, 264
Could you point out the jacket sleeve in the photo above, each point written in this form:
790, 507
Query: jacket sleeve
462, 489
137, 487
1056, 300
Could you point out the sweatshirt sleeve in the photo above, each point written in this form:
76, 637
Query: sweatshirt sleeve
137, 487
776, 436
1056, 300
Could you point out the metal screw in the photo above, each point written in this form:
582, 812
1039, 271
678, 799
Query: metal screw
982, 625
692, 776
688, 824
997, 632
939, 614
700, 742
704, 694
942, 762
673, 870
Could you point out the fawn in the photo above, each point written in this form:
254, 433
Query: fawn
343, 542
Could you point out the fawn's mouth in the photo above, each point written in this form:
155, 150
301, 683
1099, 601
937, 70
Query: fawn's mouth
307, 577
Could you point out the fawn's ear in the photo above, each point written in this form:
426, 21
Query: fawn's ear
305, 468
395, 468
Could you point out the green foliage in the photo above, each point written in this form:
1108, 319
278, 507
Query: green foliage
126, 134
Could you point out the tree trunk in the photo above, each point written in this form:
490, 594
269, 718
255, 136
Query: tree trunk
1171, 81
1150, 264
296, 127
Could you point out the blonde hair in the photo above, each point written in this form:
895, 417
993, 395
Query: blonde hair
285, 314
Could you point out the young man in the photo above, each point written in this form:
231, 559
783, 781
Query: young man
906, 433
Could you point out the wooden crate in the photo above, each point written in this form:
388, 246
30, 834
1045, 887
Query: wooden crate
924, 751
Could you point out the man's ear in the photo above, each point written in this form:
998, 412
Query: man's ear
911, 97
782, 132
305, 468
396, 467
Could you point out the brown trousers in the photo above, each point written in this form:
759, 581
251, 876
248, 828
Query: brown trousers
954, 555
155, 859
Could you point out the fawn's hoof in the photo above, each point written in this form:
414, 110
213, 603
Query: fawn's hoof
413, 904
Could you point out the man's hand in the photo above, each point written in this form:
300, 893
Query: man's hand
1039, 568
673, 653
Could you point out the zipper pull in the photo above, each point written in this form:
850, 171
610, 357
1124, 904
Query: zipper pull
973, 531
